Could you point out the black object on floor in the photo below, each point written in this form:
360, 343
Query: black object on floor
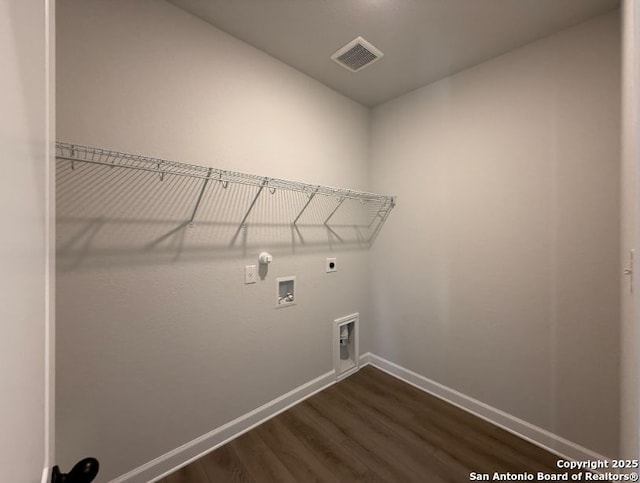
84, 471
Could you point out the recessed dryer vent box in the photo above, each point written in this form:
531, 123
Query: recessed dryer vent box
285, 291
346, 346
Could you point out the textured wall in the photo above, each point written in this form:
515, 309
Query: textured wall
497, 274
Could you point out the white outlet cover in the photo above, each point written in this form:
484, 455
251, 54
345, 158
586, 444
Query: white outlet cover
332, 265
250, 274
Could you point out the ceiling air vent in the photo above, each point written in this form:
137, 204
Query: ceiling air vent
356, 55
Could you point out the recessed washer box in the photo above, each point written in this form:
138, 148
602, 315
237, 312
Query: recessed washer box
285, 291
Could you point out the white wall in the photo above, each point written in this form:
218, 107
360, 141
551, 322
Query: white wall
497, 273
157, 347
629, 340
24, 257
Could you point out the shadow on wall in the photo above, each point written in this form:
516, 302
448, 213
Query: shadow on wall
108, 216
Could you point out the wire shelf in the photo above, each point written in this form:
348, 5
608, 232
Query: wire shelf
76, 153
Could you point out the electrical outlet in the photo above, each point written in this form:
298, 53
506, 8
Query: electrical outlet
332, 265
250, 274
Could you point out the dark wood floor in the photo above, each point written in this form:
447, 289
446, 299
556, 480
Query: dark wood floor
368, 427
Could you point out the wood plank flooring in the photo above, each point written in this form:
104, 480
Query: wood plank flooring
369, 427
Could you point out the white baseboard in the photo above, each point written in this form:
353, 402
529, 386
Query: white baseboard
365, 359
534, 434
188, 452
191, 451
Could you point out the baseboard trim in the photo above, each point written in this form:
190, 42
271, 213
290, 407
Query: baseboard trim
173, 460
541, 437
365, 359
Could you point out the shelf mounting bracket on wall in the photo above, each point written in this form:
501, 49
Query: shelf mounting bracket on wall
265, 182
311, 196
384, 210
382, 213
334, 210
195, 209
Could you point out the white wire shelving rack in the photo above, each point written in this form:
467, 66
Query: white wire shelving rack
76, 153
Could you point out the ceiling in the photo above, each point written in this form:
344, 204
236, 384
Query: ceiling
422, 40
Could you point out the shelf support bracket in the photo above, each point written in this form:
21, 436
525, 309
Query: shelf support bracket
72, 155
265, 182
385, 208
199, 200
311, 196
334, 210
382, 214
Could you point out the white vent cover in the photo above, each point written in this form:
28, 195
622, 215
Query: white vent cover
356, 55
